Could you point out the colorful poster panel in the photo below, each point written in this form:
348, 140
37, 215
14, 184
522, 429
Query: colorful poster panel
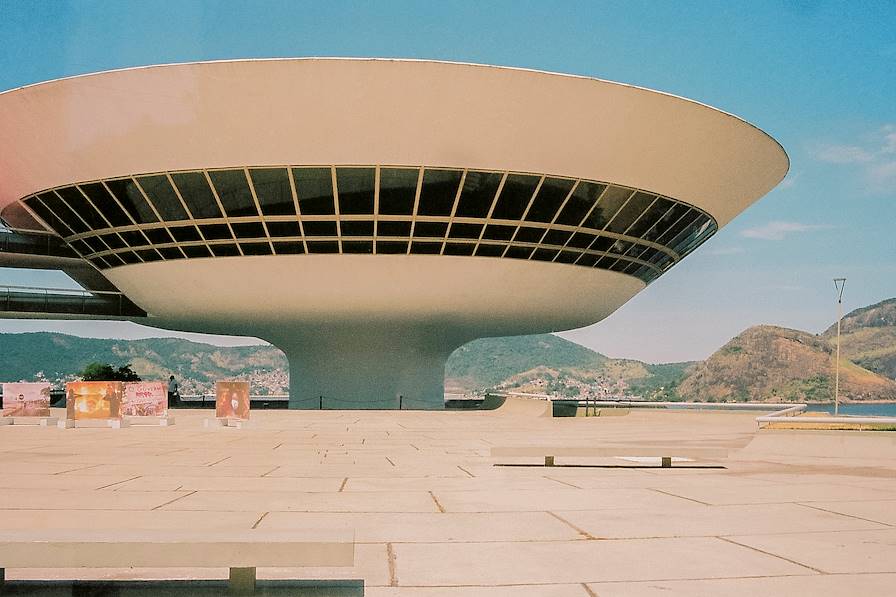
145, 399
232, 400
93, 399
26, 400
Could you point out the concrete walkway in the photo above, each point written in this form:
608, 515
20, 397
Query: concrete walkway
791, 512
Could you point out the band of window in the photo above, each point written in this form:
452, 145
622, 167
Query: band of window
381, 209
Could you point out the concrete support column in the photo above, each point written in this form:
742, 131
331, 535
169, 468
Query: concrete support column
373, 366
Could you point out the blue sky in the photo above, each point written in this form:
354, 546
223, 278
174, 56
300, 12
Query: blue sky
818, 76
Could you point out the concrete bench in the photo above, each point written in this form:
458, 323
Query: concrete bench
241, 552
665, 453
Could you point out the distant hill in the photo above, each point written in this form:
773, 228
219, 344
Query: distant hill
763, 363
487, 362
59, 357
768, 363
868, 337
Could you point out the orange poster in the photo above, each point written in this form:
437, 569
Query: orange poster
232, 399
93, 399
26, 400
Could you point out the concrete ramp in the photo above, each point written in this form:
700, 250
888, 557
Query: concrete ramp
525, 407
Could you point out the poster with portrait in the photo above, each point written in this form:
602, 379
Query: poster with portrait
145, 399
232, 400
26, 399
93, 399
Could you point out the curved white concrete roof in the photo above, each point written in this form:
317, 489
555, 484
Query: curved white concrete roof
378, 111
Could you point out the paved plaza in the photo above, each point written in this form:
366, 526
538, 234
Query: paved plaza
787, 513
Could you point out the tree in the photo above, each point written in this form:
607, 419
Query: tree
105, 372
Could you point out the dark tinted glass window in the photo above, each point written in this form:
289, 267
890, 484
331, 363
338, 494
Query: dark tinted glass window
197, 194
170, 253
225, 250
99, 262
273, 191
650, 217
185, 233
484, 250
323, 247
158, 236
284, 229
148, 255
104, 202
398, 186
129, 257
683, 222
580, 203
81, 247
62, 210
255, 248
497, 232
528, 235
391, 247
478, 194
132, 200
314, 186
134, 238
581, 240
630, 212
459, 248
355, 189
666, 220
196, 251
610, 202
289, 248
518, 252
50, 218
550, 197
438, 192
163, 197
544, 254
686, 237
114, 260
465, 230
430, 229
556, 237
515, 196
389, 228
356, 228
357, 246
95, 244
216, 231
113, 241
79, 204
248, 230
566, 257
327, 228
424, 248
587, 260
602, 243
233, 191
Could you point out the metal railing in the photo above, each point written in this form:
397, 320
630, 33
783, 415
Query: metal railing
66, 301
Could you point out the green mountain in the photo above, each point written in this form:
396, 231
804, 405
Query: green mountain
59, 357
487, 362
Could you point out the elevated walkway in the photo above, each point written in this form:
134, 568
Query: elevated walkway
99, 298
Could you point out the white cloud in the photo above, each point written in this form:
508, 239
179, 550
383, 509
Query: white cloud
779, 230
724, 251
842, 154
876, 158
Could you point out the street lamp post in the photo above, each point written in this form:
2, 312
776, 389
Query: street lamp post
839, 284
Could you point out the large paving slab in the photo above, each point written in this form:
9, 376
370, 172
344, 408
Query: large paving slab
788, 513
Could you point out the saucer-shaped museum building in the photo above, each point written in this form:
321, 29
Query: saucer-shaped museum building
366, 216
